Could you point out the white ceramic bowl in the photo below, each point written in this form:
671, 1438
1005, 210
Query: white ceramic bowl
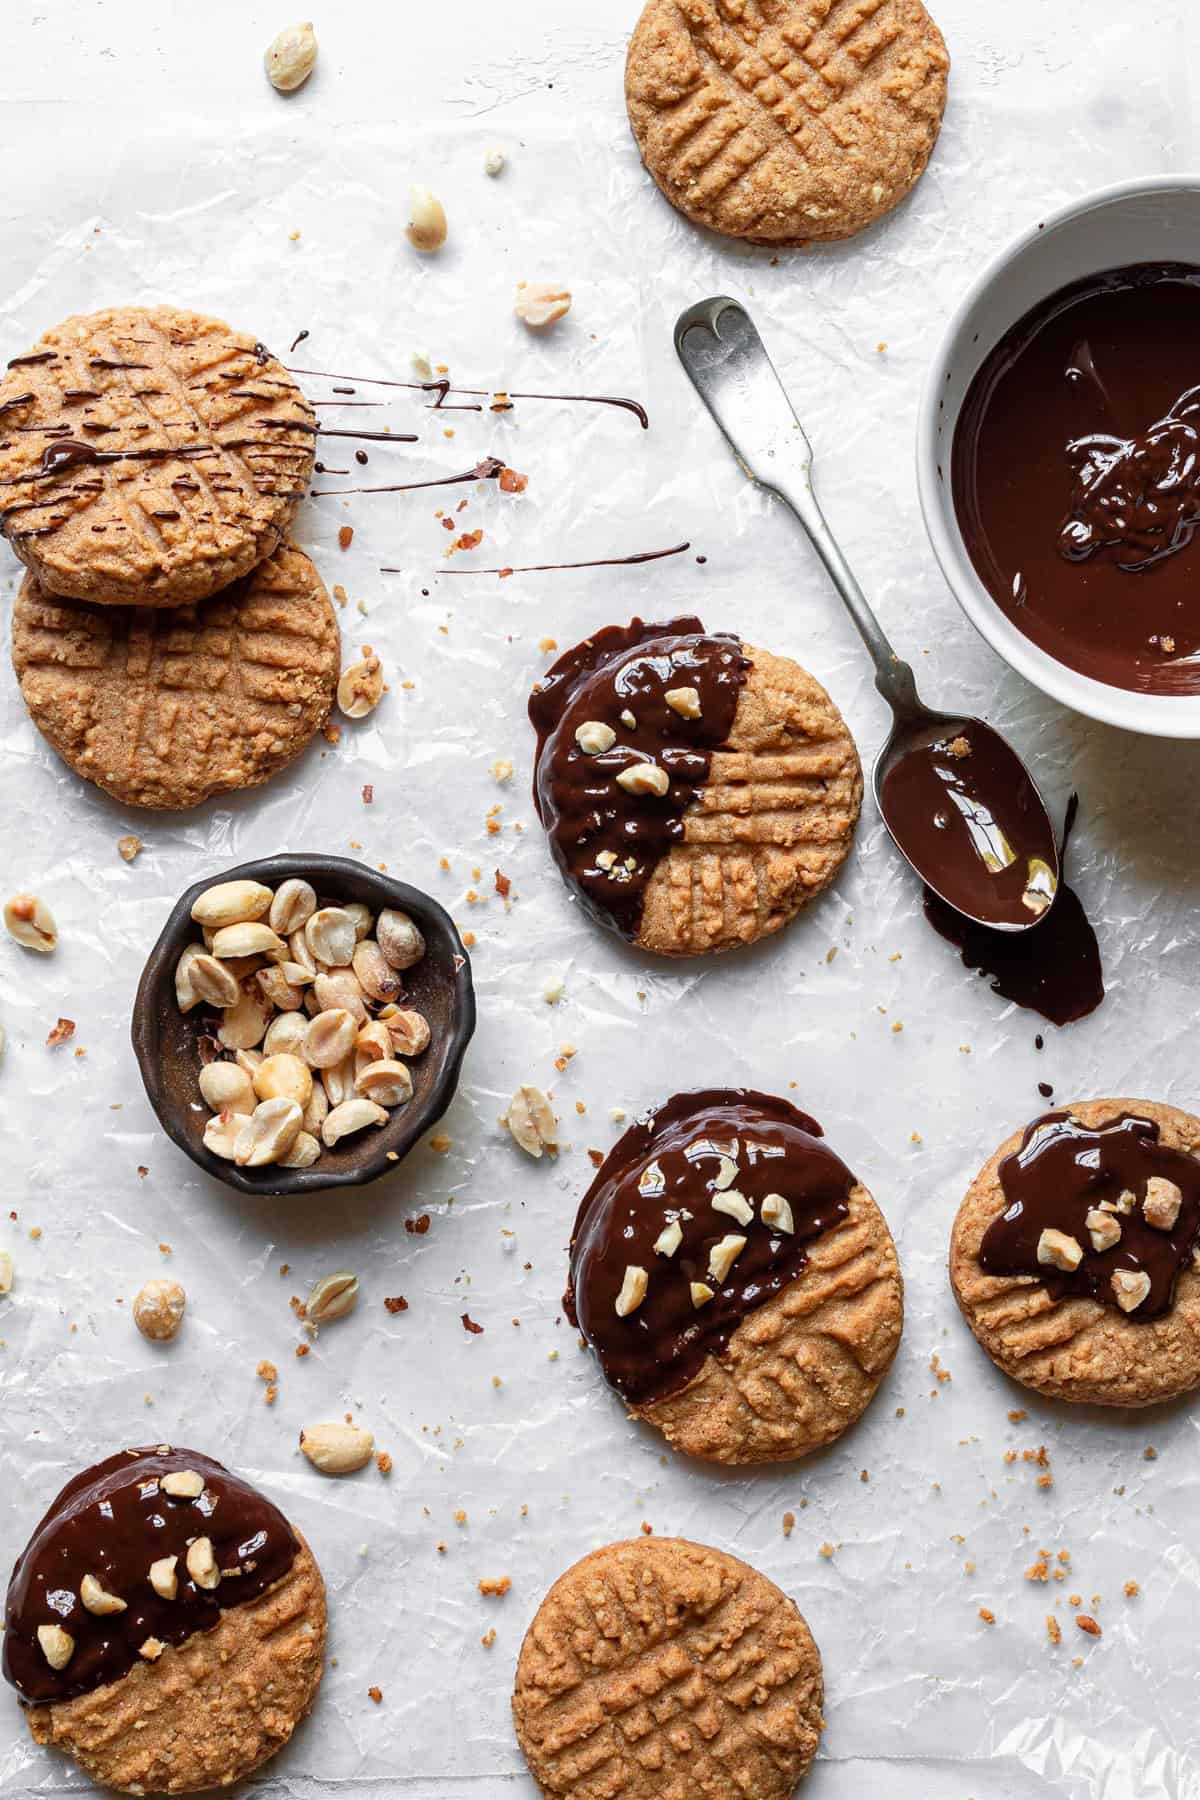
1154, 219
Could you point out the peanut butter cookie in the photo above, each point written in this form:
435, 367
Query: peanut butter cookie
738, 1285
149, 456
1074, 1254
786, 120
166, 708
697, 792
664, 1670
165, 1626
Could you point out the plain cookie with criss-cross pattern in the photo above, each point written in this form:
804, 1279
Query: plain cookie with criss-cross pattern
166, 707
781, 121
664, 1670
149, 456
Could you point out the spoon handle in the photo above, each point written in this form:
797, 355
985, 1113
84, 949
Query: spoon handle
720, 349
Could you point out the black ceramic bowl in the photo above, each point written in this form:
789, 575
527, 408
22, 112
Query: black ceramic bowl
166, 1042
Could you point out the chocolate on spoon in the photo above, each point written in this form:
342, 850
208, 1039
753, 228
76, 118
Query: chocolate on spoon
960, 805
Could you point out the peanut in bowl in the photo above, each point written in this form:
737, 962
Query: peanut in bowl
359, 1029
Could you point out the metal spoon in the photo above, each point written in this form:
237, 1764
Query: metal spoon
720, 349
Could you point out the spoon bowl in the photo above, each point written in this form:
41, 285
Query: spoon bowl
963, 811
957, 801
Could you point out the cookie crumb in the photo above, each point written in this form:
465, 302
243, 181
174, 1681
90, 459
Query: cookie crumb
488, 1638
497, 1587
375, 1694
987, 1615
1053, 1629
1086, 1623
789, 1524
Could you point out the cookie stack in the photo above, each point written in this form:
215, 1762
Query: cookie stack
170, 641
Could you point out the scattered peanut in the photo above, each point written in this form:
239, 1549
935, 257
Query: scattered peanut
530, 1119
426, 229
540, 304
332, 1297
290, 57
158, 1309
336, 1448
31, 923
361, 687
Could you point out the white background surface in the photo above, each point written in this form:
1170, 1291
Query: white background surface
147, 159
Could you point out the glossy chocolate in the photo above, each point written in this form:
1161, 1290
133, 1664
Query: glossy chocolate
619, 678
112, 1522
1054, 970
1076, 476
966, 814
1064, 1170
666, 1170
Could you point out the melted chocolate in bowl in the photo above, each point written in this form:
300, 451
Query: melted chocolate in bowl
668, 1170
966, 815
1076, 476
113, 1521
606, 840
1064, 1171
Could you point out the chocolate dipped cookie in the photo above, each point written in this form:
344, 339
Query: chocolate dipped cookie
1073, 1256
739, 1286
697, 792
165, 1625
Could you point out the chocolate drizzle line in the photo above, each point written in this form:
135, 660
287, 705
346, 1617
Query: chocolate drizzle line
442, 388
112, 1521
1054, 970
1064, 1170
607, 841
600, 562
487, 470
665, 1169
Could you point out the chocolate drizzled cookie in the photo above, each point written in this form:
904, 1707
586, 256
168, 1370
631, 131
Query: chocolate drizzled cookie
149, 456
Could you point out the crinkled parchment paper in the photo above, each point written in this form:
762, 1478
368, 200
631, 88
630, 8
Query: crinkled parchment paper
149, 161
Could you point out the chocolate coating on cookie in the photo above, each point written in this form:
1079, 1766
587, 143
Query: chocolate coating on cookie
682, 1170
111, 1523
607, 840
1064, 1176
